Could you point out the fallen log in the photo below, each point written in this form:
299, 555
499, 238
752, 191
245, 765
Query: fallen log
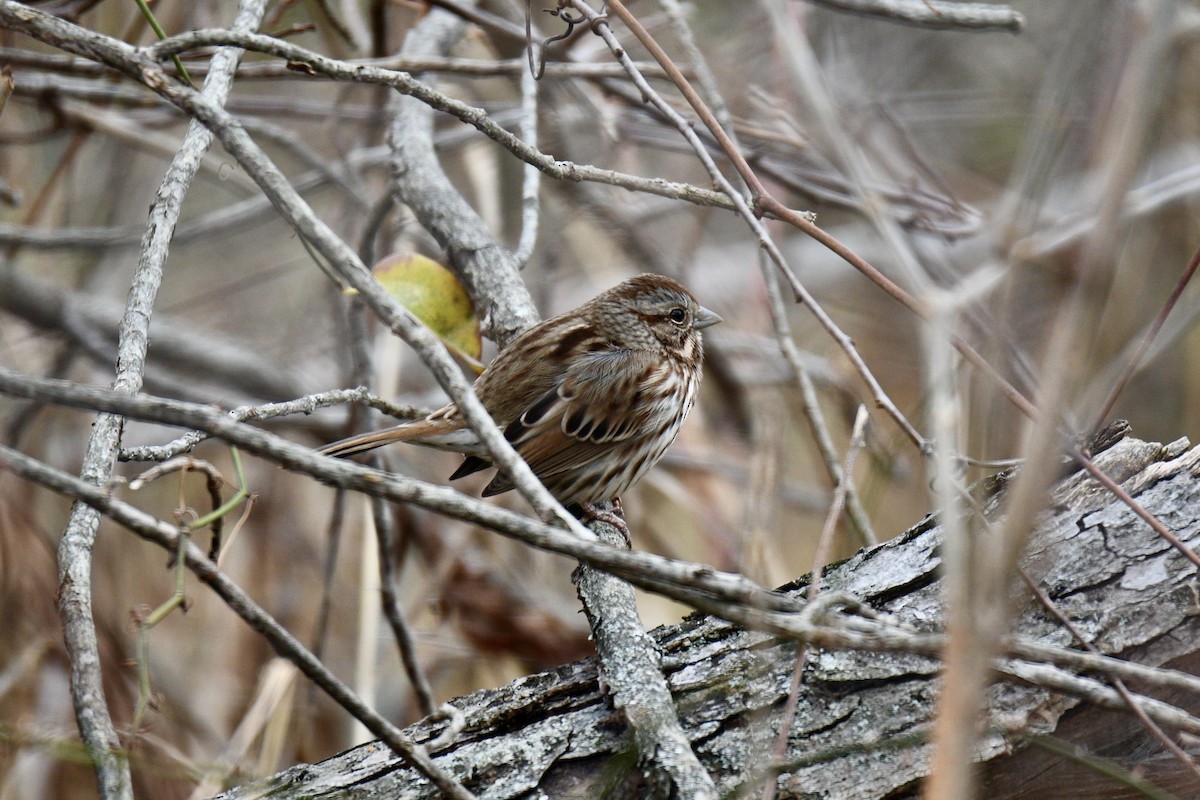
1054, 726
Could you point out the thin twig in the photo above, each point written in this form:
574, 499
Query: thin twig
934, 14
1135, 359
840, 492
75, 547
812, 410
167, 536
820, 559
741, 206
1150, 725
392, 609
301, 405
530, 177
1136, 507
765, 203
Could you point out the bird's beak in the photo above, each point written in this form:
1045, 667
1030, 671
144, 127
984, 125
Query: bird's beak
705, 318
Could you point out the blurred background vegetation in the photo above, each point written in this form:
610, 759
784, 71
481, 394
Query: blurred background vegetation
992, 153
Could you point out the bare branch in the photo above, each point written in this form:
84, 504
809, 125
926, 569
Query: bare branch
100, 500
934, 14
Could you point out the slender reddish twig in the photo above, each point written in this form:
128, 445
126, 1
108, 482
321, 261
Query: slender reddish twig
764, 203
857, 442
1136, 359
1136, 507
1150, 725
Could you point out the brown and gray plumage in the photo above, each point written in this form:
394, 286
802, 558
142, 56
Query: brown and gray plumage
591, 399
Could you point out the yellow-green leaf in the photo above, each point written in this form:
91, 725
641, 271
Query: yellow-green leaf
434, 295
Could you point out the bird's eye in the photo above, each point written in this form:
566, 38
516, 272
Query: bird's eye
677, 315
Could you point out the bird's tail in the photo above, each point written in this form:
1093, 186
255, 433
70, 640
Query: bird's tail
443, 434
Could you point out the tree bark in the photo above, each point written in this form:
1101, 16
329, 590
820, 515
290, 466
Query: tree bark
861, 718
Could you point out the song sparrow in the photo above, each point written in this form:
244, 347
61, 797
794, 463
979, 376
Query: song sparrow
591, 399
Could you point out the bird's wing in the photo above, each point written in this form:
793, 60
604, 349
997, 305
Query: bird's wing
599, 403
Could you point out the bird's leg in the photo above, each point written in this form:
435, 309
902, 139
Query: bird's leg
616, 518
